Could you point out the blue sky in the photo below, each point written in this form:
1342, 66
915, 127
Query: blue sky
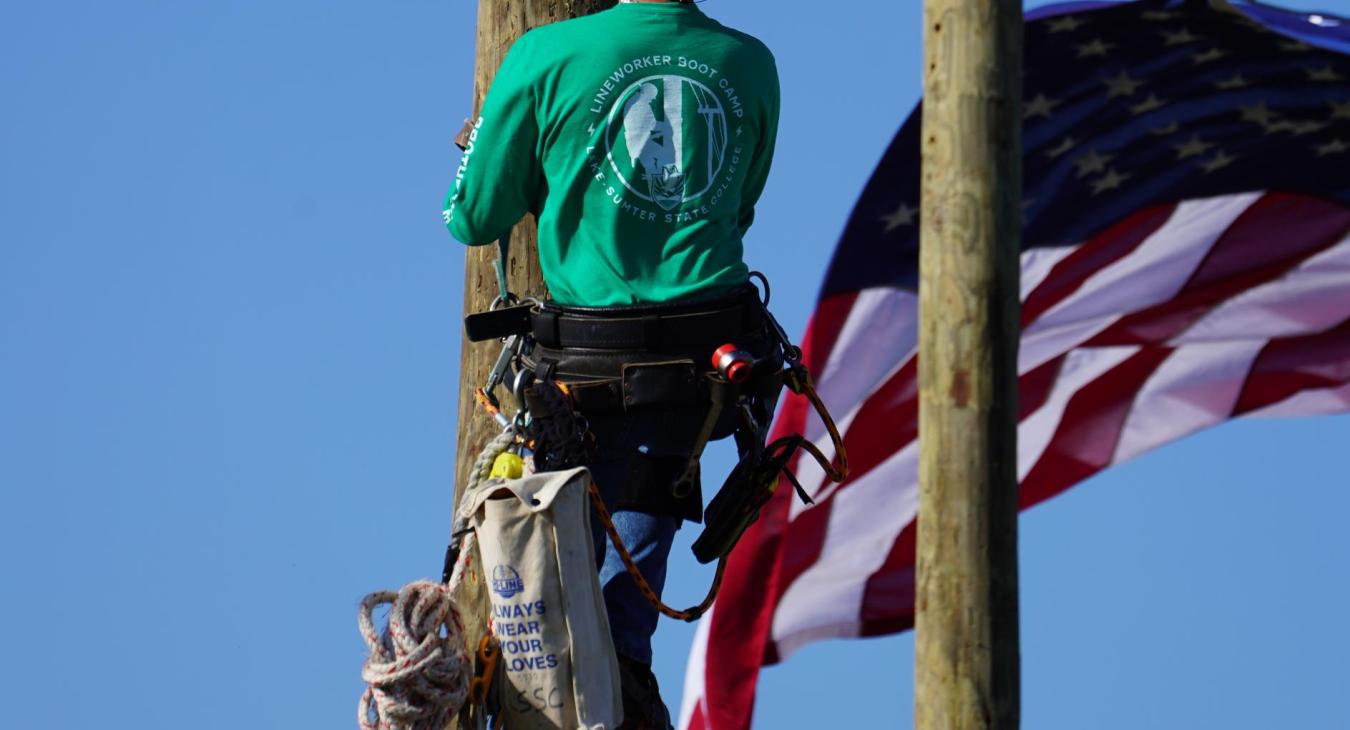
229, 329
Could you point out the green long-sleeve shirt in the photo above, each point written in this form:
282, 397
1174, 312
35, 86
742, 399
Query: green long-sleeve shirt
640, 137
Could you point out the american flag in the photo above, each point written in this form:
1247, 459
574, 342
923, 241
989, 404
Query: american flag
1186, 260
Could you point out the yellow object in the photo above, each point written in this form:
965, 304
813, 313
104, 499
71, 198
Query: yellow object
507, 466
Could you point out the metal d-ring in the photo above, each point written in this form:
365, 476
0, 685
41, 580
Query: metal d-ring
503, 301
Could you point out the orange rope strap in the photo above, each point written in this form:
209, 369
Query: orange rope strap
485, 401
799, 380
689, 614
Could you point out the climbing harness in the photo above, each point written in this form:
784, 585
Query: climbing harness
427, 666
556, 387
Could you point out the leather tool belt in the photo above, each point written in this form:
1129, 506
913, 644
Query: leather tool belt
651, 328
657, 359
646, 356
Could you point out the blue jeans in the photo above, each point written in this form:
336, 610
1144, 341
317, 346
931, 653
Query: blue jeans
648, 537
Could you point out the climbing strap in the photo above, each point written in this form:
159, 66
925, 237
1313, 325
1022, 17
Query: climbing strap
503, 248
684, 485
492, 407
755, 479
691, 614
799, 381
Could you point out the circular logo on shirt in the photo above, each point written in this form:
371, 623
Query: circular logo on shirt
666, 138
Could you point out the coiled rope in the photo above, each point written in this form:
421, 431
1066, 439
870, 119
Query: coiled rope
418, 672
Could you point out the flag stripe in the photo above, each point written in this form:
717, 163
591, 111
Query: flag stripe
1154, 272
1287, 366
694, 695
866, 362
1193, 389
1078, 369
1300, 224
1240, 259
1318, 402
868, 450
1088, 432
1038, 265
875, 335
889, 596
1034, 387
1310, 298
894, 408
854, 545
825, 327
1084, 261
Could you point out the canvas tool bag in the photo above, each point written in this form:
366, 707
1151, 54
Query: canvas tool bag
557, 668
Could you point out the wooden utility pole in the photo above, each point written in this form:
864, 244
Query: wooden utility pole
966, 643
500, 23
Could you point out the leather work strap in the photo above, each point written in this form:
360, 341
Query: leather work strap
717, 390
598, 396
555, 329
609, 395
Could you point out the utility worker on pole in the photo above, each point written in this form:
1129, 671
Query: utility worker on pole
640, 137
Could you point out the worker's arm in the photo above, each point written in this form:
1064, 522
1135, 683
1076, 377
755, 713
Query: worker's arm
499, 177
758, 173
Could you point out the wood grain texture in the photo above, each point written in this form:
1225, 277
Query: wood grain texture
966, 643
500, 23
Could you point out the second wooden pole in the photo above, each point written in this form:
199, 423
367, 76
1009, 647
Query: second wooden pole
966, 643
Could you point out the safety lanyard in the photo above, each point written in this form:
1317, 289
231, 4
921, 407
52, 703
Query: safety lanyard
503, 249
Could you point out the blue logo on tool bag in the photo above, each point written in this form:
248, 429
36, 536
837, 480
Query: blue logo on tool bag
506, 581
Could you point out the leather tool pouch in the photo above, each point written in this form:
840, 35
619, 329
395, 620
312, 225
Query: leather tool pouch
748, 488
648, 385
650, 487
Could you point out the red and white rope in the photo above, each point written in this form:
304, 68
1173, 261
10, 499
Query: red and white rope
418, 672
